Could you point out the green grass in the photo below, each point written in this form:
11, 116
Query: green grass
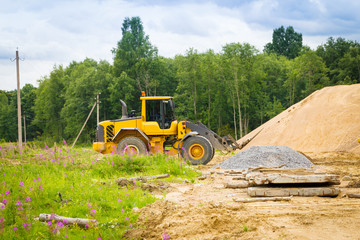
31, 180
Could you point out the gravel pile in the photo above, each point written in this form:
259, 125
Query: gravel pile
266, 156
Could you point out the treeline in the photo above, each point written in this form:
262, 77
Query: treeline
232, 91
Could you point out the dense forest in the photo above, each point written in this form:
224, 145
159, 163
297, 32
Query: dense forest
231, 91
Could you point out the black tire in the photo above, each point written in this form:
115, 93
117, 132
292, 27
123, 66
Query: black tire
132, 145
198, 150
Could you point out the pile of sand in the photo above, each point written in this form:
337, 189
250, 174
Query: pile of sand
327, 120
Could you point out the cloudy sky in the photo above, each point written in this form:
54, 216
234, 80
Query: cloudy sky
56, 32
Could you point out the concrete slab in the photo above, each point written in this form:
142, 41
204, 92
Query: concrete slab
284, 192
281, 178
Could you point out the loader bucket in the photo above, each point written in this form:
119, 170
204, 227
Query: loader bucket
224, 144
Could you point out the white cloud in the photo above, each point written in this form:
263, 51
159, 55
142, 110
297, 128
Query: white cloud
58, 32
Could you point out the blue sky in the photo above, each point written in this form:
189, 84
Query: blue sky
49, 33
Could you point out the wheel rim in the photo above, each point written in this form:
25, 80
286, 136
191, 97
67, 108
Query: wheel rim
196, 151
132, 149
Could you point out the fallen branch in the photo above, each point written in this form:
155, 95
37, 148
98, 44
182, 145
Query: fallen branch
150, 177
262, 199
81, 222
129, 181
353, 195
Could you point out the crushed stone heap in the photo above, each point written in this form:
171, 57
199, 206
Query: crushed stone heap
266, 156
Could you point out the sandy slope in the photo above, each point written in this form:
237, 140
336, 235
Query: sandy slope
327, 120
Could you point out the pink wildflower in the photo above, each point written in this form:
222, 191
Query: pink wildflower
92, 212
27, 225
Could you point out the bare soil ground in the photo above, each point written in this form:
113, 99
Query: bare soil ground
206, 210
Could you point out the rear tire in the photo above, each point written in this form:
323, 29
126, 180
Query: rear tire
132, 145
198, 150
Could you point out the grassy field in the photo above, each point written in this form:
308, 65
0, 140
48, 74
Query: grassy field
33, 178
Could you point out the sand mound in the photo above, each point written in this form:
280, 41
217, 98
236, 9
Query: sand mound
266, 156
327, 120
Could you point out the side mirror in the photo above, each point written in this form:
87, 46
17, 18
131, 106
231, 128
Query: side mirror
172, 104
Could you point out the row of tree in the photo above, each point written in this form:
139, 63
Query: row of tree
232, 91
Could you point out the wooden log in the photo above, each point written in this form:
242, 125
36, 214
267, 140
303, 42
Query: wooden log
150, 177
353, 195
285, 192
129, 181
234, 172
158, 176
240, 184
81, 222
280, 178
262, 199
203, 177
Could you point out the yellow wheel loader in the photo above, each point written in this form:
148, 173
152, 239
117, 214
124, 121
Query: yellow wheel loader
158, 130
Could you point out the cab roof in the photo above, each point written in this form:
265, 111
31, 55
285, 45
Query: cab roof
155, 98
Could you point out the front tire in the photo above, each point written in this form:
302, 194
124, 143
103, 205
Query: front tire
198, 150
132, 146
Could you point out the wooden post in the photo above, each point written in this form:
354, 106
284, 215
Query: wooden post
24, 129
97, 109
18, 101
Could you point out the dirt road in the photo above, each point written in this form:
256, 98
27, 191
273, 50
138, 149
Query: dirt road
206, 210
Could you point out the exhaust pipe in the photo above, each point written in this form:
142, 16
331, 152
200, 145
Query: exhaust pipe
124, 110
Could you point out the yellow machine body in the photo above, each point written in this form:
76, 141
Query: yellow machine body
158, 130
149, 131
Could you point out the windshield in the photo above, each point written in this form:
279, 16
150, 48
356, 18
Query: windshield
169, 110
160, 111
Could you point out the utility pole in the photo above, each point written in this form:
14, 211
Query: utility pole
97, 109
24, 129
18, 100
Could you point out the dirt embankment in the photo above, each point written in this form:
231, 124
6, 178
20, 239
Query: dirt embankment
206, 210
327, 120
